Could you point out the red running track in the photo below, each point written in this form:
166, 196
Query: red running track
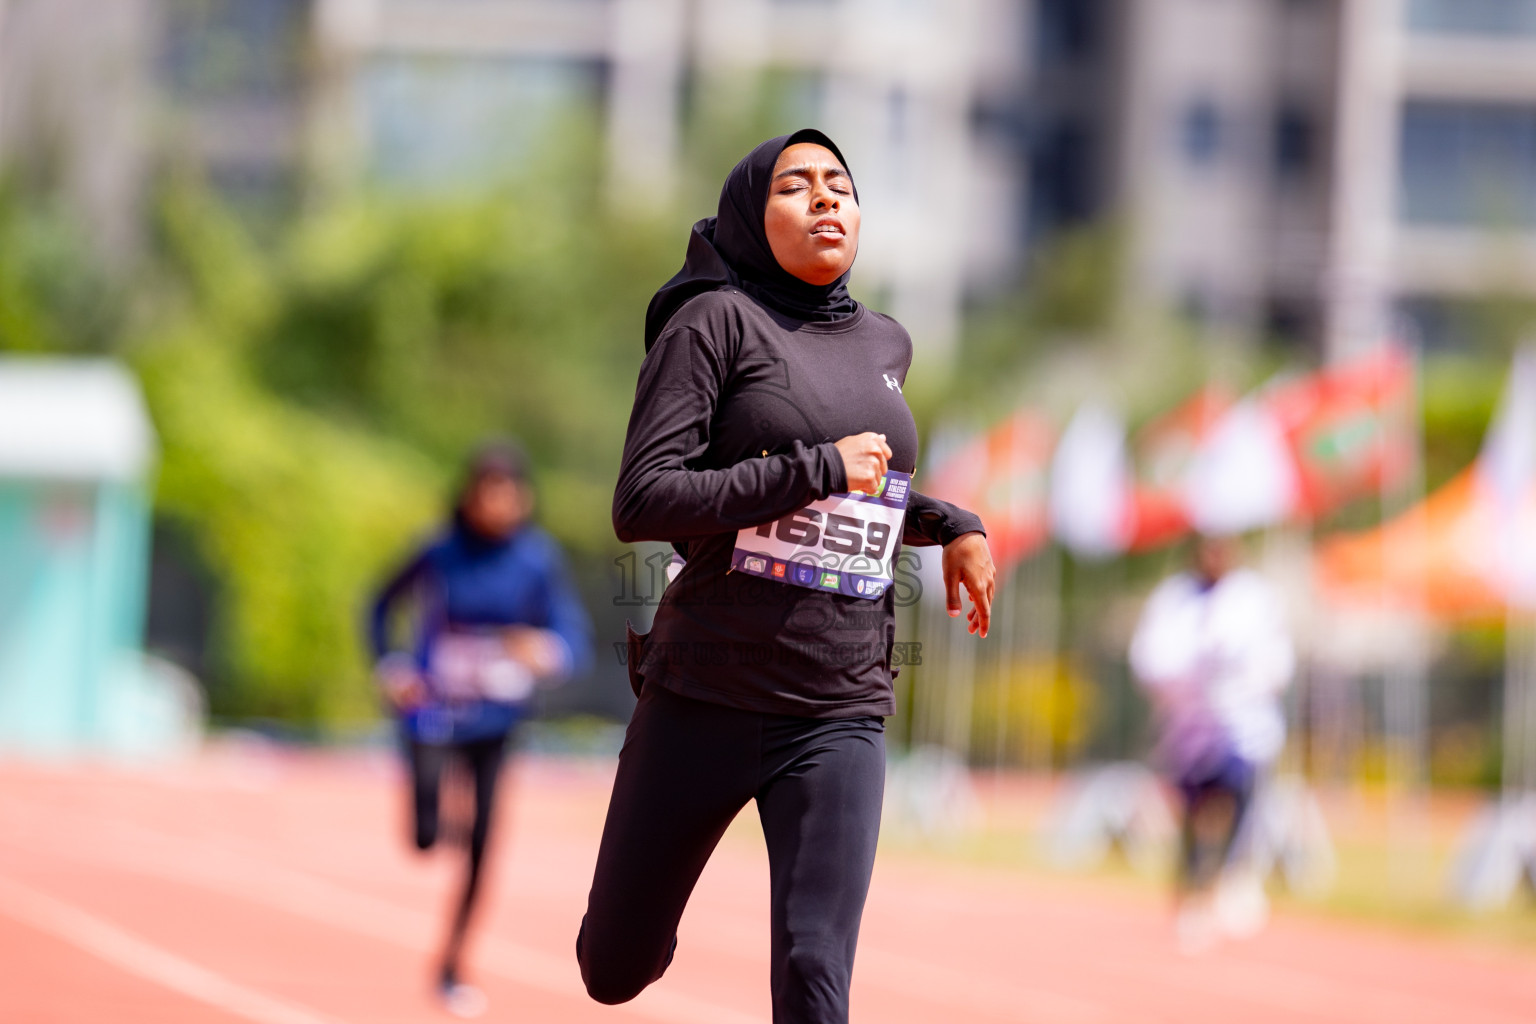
277, 889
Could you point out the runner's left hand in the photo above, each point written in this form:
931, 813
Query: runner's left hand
968, 561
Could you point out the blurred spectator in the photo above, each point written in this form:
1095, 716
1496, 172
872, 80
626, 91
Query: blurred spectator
495, 617
1213, 653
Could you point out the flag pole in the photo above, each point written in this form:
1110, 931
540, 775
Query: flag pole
1408, 677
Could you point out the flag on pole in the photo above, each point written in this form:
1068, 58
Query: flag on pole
1342, 426
1001, 476
1506, 475
1164, 450
1091, 505
1243, 477
1473, 540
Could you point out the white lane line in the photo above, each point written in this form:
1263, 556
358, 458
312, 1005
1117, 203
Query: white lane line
129, 953
230, 873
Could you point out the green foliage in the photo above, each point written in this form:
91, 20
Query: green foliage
314, 380
312, 394
310, 390
294, 514
434, 322
53, 296
313, 391
1070, 291
1460, 393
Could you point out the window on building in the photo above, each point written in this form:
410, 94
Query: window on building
457, 120
1201, 132
1061, 186
234, 49
1067, 30
1295, 143
1437, 324
1291, 321
1469, 164
1473, 17
1197, 306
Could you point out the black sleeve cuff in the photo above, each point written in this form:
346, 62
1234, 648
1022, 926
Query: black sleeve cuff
834, 475
958, 524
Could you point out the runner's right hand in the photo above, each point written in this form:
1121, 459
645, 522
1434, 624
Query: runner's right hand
540, 651
865, 457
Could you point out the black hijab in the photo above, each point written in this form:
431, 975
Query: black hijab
731, 249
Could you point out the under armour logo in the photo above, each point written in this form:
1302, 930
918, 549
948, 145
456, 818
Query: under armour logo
892, 383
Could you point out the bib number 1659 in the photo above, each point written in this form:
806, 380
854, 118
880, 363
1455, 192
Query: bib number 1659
841, 535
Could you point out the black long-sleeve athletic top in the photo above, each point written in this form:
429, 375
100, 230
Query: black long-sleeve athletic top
736, 416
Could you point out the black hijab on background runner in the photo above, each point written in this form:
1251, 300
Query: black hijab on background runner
731, 249
499, 457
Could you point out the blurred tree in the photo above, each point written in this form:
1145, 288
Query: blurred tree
54, 297
311, 394
293, 513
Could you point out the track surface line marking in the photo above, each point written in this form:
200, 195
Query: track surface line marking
322, 901
136, 956
298, 860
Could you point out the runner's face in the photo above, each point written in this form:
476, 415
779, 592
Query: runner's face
497, 505
1215, 557
812, 219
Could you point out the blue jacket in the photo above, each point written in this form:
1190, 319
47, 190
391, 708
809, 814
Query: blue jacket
463, 582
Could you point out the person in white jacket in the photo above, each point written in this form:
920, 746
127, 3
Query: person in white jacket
1213, 653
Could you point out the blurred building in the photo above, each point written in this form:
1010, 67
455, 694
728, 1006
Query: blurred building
73, 105
95, 96
925, 99
1296, 168
234, 87
1307, 169
1460, 88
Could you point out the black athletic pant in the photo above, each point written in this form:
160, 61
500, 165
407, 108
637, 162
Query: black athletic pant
481, 762
687, 767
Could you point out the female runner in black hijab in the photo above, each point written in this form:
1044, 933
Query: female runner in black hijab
765, 389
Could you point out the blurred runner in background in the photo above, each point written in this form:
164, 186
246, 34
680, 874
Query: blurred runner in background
1213, 652
495, 617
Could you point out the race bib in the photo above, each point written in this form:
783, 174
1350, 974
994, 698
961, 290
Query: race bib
472, 666
844, 544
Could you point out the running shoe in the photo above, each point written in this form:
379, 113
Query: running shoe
1241, 907
463, 1001
1195, 928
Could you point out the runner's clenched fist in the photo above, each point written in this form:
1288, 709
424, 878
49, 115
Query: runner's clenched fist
865, 457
